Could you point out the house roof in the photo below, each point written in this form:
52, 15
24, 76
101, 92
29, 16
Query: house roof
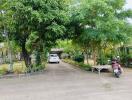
57, 49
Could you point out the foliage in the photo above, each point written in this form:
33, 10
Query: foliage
19, 69
36, 25
73, 50
38, 59
103, 61
35, 22
78, 57
83, 66
126, 60
3, 70
68, 46
38, 68
6, 18
99, 24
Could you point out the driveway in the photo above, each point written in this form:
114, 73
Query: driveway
65, 82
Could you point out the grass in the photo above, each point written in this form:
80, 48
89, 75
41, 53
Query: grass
80, 65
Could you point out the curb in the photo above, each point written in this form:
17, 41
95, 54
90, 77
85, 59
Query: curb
20, 75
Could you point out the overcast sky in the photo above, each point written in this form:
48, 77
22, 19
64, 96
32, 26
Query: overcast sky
129, 4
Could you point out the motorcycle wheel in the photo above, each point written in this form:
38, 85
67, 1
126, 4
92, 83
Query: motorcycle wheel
117, 75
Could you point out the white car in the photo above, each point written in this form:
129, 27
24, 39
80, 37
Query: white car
53, 58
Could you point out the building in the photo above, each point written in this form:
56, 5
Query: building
58, 51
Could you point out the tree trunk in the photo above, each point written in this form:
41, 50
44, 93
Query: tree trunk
94, 57
87, 57
26, 56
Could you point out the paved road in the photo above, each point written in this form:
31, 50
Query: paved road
65, 82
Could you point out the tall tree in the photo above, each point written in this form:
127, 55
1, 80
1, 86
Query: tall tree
38, 22
102, 23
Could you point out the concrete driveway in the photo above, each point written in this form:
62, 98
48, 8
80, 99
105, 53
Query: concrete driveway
65, 82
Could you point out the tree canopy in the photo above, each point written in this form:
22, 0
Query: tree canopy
101, 23
35, 25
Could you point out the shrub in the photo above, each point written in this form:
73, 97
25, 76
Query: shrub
85, 66
3, 70
80, 65
126, 60
19, 69
35, 68
78, 58
130, 56
102, 61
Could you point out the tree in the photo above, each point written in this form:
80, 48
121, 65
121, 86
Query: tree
38, 24
102, 23
2, 4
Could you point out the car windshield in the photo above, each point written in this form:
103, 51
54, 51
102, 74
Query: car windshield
53, 55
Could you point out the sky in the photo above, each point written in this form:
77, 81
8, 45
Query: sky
128, 4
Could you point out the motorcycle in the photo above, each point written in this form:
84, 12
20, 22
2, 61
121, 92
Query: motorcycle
117, 73
117, 70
